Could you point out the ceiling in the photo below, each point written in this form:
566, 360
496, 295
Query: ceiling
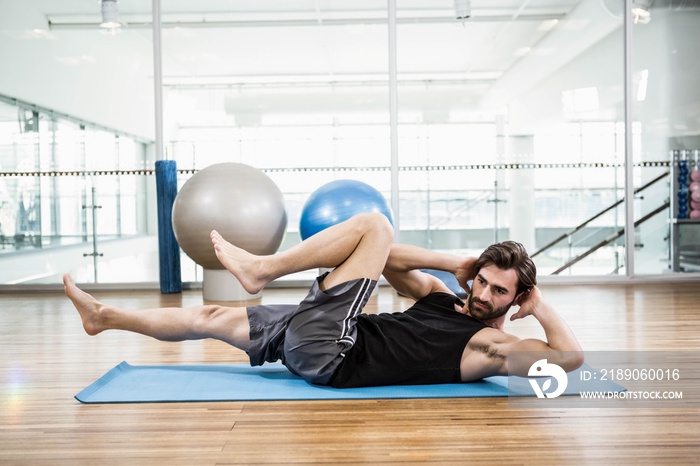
236, 60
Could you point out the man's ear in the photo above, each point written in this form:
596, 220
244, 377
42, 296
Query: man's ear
521, 298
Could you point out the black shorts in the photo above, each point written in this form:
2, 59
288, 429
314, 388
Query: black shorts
311, 338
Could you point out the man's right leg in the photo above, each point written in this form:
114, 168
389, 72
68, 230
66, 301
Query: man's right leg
357, 248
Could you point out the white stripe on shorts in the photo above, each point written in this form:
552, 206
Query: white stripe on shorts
354, 310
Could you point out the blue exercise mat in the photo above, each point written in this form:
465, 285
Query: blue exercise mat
239, 382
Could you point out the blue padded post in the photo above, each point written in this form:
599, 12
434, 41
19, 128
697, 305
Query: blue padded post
168, 249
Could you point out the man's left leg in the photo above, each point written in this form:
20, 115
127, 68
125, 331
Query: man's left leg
228, 324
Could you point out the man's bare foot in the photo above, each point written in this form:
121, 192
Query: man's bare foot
245, 266
88, 307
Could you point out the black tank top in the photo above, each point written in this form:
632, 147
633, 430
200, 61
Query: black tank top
422, 345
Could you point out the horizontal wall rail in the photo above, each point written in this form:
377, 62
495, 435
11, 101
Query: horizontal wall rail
410, 168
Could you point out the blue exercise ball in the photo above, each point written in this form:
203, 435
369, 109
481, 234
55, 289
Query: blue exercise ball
336, 202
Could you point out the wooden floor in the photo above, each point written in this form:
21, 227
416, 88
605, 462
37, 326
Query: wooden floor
46, 359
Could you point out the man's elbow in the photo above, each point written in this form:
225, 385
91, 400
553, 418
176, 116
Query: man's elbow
572, 360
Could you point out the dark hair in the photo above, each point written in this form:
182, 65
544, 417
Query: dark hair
510, 255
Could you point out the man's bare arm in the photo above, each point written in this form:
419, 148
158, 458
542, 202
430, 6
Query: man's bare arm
494, 352
561, 348
402, 270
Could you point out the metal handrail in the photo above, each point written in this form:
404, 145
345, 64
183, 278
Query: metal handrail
610, 239
464, 207
599, 214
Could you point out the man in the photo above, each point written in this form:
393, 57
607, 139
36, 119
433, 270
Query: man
327, 340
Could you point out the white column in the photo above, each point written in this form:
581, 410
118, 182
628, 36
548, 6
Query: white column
393, 116
222, 286
629, 158
521, 200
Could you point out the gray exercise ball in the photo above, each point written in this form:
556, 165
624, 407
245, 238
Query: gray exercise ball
238, 201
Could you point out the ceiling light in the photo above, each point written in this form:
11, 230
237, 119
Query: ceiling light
463, 9
641, 11
110, 15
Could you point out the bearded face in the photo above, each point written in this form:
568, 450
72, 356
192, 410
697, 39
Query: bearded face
483, 311
493, 293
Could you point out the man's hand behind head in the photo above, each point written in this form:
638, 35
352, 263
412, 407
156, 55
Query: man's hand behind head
466, 272
528, 302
